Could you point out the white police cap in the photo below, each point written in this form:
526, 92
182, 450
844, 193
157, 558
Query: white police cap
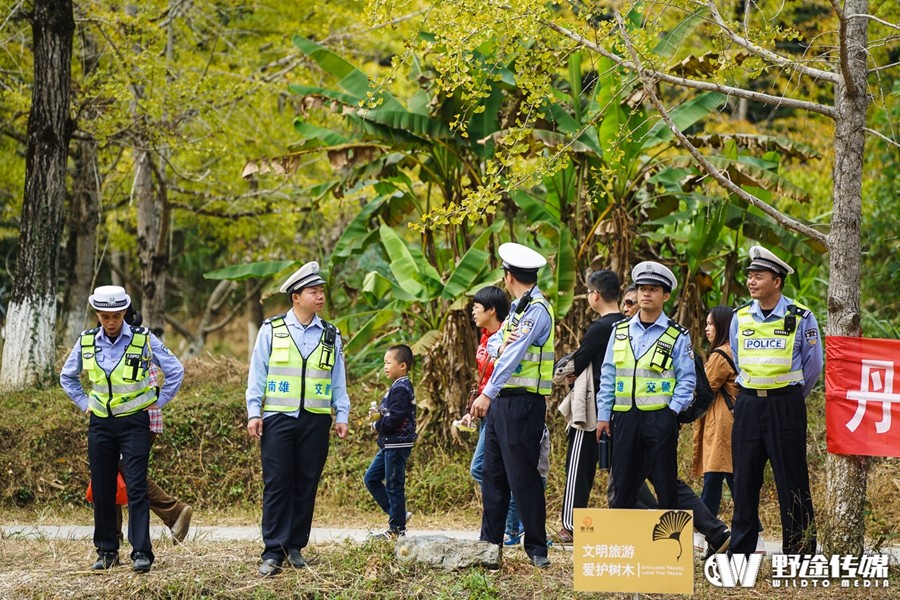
763, 260
109, 298
653, 273
305, 276
519, 258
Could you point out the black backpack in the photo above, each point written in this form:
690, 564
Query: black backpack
703, 395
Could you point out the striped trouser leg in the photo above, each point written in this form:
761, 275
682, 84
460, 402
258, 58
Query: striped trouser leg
582, 453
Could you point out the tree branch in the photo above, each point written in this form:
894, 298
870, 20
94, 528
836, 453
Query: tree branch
884, 67
882, 136
768, 55
778, 101
237, 307
238, 215
876, 19
842, 48
701, 160
180, 328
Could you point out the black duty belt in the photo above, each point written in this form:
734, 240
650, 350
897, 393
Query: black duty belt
516, 391
785, 391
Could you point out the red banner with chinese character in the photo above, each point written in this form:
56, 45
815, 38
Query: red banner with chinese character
862, 405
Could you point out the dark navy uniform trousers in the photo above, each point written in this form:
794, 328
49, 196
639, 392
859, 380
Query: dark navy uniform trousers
771, 428
644, 446
293, 455
107, 438
512, 446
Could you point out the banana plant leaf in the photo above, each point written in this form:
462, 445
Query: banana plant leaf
356, 234
376, 287
486, 122
351, 79
414, 123
471, 265
406, 269
555, 139
535, 209
684, 116
309, 90
565, 270
743, 173
314, 137
369, 332
705, 232
671, 42
756, 143
426, 342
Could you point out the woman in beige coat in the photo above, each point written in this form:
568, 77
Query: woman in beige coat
712, 433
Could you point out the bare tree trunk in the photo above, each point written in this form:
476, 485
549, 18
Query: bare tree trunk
152, 237
844, 522
255, 314
83, 218
28, 353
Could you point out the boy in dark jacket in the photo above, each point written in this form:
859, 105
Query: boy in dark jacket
396, 427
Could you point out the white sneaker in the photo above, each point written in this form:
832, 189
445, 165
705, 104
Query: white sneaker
699, 542
760, 546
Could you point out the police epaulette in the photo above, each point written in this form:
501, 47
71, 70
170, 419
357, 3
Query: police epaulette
620, 321
139, 329
88, 331
744, 305
678, 326
270, 319
796, 310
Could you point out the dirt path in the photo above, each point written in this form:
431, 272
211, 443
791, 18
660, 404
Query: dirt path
201, 533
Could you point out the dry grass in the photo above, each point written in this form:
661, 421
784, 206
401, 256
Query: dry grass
59, 569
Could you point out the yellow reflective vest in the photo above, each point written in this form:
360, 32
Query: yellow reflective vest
648, 381
535, 371
294, 382
126, 390
766, 350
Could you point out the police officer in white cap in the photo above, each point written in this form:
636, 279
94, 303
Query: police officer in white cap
646, 379
775, 343
296, 378
513, 405
117, 358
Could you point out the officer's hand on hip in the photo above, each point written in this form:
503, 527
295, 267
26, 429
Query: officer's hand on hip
341, 430
601, 427
480, 406
255, 427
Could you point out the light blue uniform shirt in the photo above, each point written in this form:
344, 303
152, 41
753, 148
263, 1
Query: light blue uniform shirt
306, 339
109, 353
641, 339
807, 354
534, 329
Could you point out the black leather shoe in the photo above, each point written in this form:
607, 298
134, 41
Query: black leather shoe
141, 563
270, 567
719, 547
541, 562
296, 559
105, 561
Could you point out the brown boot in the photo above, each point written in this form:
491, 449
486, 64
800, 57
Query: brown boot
182, 524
